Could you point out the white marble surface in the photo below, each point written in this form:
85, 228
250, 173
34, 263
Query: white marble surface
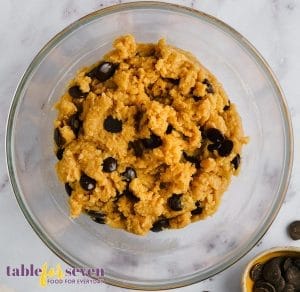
273, 27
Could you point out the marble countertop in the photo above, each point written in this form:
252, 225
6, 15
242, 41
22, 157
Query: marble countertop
272, 26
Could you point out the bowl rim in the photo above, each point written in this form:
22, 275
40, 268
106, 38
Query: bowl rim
247, 268
289, 140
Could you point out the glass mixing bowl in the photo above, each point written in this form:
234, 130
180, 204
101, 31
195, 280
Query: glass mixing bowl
171, 258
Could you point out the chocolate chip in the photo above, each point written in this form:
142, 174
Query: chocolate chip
137, 119
173, 81
99, 220
152, 142
87, 183
209, 87
198, 209
262, 286
227, 107
271, 271
192, 159
260, 290
163, 185
96, 216
174, 202
129, 174
76, 92
131, 196
289, 288
292, 275
256, 272
169, 129
104, 71
197, 98
68, 189
160, 224
203, 133
212, 147
109, 164
236, 161
137, 147
58, 138
79, 107
60, 153
225, 148
214, 135
297, 263
287, 263
280, 284
294, 230
112, 125
75, 123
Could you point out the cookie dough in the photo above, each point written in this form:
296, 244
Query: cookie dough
146, 139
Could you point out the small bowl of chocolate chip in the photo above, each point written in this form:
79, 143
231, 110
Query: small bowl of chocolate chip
276, 269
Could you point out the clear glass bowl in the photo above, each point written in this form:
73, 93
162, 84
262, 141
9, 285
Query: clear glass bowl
171, 258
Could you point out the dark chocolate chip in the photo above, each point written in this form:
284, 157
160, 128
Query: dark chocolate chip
292, 275
79, 107
286, 264
87, 183
112, 125
227, 107
280, 284
173, 81
131, 196
256, 272
289, 288
76, 92
192, 159
98, 220
203, 133
212, 147
160, 224
174, 202
236, 161
197, 98
225, 148
271, 271
96, 216
214, 135
260, 290
169, 129
109, 164
75, 123
209, 87
163, 185
152, 142
104, 71
137, 119
60, 153
198, 209
261, 286
58, 138
294, 230
129, 174
297, 263
68, 189
137, 147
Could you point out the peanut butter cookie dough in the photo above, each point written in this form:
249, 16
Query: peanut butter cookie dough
146, 139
